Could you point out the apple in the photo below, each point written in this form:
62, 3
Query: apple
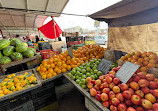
88, 79
101, 86
118, 68
156, 80
116, 81
110, 102
116, 89
106, 104
98, 82
150, 77
131, 109
99, 92
146, 104
122, 107
130, 80
153, 85
111, 85
145, 90
93, 82
155, 107
139, 108
128, 102
113, 108
109, 79
134, 85
93, 92
97, 97
114, 69
106, 90
136, 78
140, 93
136, 99
112, 76
104, 97
131, 90
155, 92
128, 84
101, 78
104, 80
143, 83
105, 85
112, 72
111, 94
127, 94
141, 75
150, 97
97, 87
115, 101
89, 85
134, 75
123, 87
120, 97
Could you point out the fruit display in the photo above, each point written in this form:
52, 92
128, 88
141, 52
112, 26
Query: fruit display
145, 59
88, 52
140, 93
86, 73
14, 50
13, 83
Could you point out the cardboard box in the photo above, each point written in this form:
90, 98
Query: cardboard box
57, 45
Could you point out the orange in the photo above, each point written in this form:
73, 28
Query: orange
59, 64
58, 71
152, 61
64, 59
153, 56
123, 58
74, 66
146, 58
156, 65
64, 66
44, 62
128, 55
38, 68
145, 63
140, 60
68, 58
129, 59
144, 54
135, 57
51, 60
52, 65
138, 53
151, 65
43, 69
54, 74
78, 64
50, 70
55, 59
68, 62
143, 69
74, 62
49, 75
63, 62
59, 60
44, 77
68, 67
63, 70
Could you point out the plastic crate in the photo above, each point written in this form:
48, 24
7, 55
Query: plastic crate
46, 54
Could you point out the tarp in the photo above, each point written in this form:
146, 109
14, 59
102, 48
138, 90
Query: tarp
48, 30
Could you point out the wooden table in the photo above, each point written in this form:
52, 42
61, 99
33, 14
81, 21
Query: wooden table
87, 95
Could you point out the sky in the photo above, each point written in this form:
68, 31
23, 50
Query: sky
83, 7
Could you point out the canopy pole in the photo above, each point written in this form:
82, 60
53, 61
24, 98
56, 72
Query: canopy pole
1, 32
54, 29
9, 35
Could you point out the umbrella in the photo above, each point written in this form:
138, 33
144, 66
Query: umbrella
51, 30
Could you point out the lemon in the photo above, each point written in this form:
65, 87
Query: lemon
9, 76
6, 79
12, 88
9, 92
33, 74
44, 77
1, 95
5, 91
1, 91
13, 75
25, 73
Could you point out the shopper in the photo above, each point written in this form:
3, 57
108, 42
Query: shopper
20, 38
29, 42
37, 38
42, 39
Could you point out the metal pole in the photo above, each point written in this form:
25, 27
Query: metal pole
1, 32
54, 29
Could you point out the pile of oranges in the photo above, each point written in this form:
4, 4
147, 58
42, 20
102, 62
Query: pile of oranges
88, 52
145, 59
58, 64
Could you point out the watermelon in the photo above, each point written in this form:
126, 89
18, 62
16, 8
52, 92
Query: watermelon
28, 53
1, 55
32, 50
21, 48
16, 56
8, 50
5, 60
25, 44
4, 43
15, 42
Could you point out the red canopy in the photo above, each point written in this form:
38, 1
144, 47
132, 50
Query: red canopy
48, 30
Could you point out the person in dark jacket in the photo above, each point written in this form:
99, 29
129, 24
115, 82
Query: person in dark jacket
37, 38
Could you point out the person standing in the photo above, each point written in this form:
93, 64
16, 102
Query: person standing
37, 38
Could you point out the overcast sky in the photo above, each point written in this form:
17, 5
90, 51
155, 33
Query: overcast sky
83, 7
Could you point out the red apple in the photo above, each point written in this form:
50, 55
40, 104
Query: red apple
131, 109
156, 80
101, 86
116, 89
141, 75
113, 108
145, 90
112, 76
98, 82
97, 97
106, 90
134, 75
139, 108
89, 85
101, 78
155, 107
136, 99
116, 81
128, 102
93, 92
127, 94
122, 107
111, 94
93, 82
105, 85
106, 104
153, 85
150, 97
147, 104
108, 79
150, 77
112, 72
97, 87
128, 84
123, 87
99, 92
155, 92
110, 102
88, 79
115, 101
143, 83
111, 85
118, 68
131, 90
140, 93
130, 80
104, 80
134, 85
104, 97
136, 78
120, 97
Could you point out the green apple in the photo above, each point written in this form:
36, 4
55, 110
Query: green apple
77, 81
84, 86
99, 73
92, 76
84, 77
88, 69
83, 81
88, 74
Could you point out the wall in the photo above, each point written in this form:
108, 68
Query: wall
134, 38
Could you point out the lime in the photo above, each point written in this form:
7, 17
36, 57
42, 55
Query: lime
92, 76
95, 76
80, 75
88, 69
83, 86
83, 71
69, 74
77, 77
88, 74
77, 81
73, 72
97, 62
80, 83
78, 72
95, 71
73, 77
83, 81
83, 76
99, 73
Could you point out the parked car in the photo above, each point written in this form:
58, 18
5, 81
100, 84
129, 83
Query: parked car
101, 39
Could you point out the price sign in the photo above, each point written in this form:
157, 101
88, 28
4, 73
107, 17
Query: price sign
104, 66
70, 52
126, 71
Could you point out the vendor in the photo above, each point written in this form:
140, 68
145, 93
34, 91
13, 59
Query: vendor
37, 38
